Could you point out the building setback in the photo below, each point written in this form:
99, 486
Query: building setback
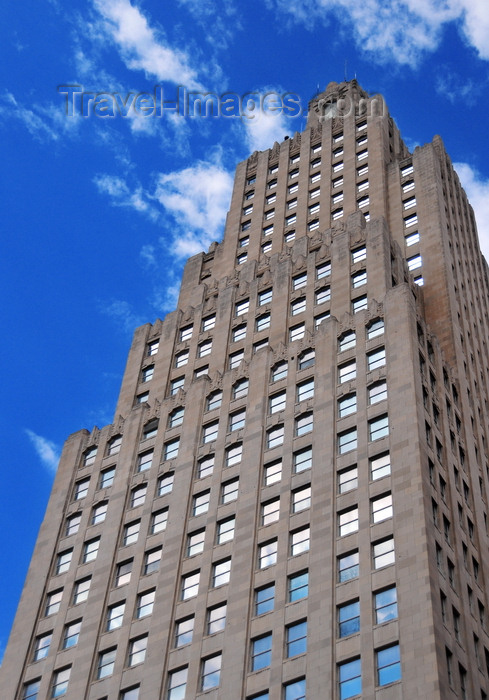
291, 500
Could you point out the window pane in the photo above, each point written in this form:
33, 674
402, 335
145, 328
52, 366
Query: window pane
296, 639
348, 566
261, 652
389, 665
350, 679
349, 619
264, 599
298, 586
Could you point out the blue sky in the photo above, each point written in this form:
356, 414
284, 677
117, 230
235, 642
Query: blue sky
100, 211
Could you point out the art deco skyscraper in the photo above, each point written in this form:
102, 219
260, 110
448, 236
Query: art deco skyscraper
291, 501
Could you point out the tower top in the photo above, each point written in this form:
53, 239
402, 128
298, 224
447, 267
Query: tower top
338, 100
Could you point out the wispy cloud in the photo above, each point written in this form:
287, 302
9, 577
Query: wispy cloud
457, 89
477, 190
142, 47
121, 195
122, 313
44, 123
47, 451
403, 30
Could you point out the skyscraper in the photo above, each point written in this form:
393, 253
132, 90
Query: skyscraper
291, 500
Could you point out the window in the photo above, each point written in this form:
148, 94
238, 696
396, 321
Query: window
347, 404
314, 193
71, 634
63, 561
305, 390
98, 513
375, 359
204, 348
301, 499
60, 682
375, 328
296, 639
131, 532
411, 220
337, 167
383, 553
337, 214
347, 441
275, 436
388, 665
323, 295
190, 585
363, 202
380, 466
176, 384
106, 662
137, 650
115, 615
234, 454
271, 198
302, 460
72, 524
200, 503
323, 271
292, 203
276, 402
145, 604
237, 420
241, 307
229, 491
221, 573
269, 214
337, 198
90, 550
414, 262
385, 605
165, 483
349, 619
348, 566
382, 508
41, 648
186, 333
358, 254
297, 332
359, 279
31, 690
240, 388
377, 392
270, 511
184, 630
319, 319
350, 679
347, 479
138, 495
211, 672
53, 602
268, 230
89, 456
300, 541
299, 281
265, 297
348, 521
208, 323
159, 521
306, 359
298, 586
347, 372
107, 478
201, 371
298, 306
378, 428
130, 694
147, 373
216, 618
412, 239
235, 359
296, 690
214, 400
359, 303
304, 424
279, 371
205, 467
272, 472
145, 460
123, 573
238, 332
240, 259
152, 560
175, 419
260, 345
195, 543
81, 489
150, 430
264, 599
209, 432
182, 358
261, 652
267, 554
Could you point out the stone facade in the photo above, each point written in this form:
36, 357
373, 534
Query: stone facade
291, 501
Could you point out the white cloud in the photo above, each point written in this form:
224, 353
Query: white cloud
47, 451
141, 47
263, 127
402, 30
45, 123
198, 199
122, 312
477, 190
